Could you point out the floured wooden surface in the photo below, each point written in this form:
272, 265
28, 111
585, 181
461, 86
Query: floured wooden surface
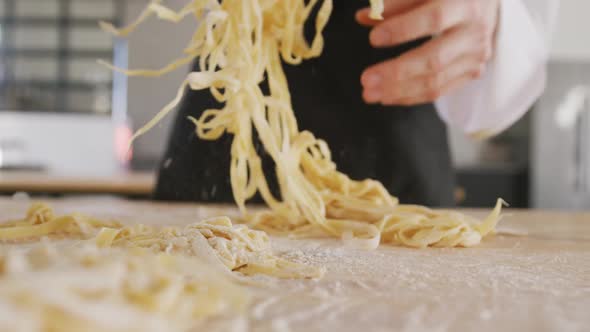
538, 282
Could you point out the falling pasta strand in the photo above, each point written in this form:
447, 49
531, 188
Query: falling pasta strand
239, 45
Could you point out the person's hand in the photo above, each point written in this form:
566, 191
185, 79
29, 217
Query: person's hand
463, 43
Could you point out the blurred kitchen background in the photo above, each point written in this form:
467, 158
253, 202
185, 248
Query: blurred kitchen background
65, 121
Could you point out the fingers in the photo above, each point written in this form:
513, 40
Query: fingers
427, 60
429, 19
462, 46
427, 88
430, 96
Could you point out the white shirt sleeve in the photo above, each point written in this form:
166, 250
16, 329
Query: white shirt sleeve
514, 78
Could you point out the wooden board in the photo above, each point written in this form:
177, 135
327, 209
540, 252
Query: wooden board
536, 281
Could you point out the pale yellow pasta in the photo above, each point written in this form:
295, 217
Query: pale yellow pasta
78, 273
216, 241
41, 221
83, 288
377, 7
240, 44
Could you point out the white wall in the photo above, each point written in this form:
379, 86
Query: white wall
152, 46
571, 40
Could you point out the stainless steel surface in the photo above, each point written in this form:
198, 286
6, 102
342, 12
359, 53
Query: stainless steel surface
561, 153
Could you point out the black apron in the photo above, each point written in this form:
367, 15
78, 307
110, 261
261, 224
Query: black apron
405, 148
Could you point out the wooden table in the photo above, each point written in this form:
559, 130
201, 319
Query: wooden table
536, 281
132, 183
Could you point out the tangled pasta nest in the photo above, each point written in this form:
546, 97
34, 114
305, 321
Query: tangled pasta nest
241, 44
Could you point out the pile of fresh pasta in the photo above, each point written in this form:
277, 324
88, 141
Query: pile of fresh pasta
51, 287
77, 273
229, 247
241, 44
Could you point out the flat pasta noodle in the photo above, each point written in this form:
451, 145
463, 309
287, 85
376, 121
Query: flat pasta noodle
217, 241
377, 8
241, 44
41, 221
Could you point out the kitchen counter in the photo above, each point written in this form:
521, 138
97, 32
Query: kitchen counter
533, 276
132, 183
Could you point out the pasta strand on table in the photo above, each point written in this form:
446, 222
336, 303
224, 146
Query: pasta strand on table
217, 241
241, 44
52, 287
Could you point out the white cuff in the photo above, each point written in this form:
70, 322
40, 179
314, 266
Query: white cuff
514, 79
